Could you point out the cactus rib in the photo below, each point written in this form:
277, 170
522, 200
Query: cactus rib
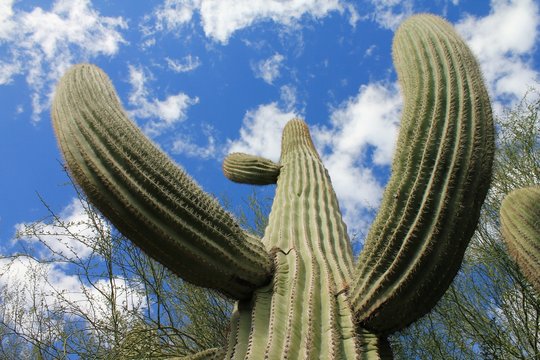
146, 196
250, 169
440, 176
520, 225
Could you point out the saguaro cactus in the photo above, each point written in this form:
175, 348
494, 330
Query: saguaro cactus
520, 225
299, 293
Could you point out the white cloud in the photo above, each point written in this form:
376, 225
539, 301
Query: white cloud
363, 132
7, 71
175, 13
7, 24
354, 16
164, 113
268, 69
261, 132
42, 44
70, 22
186, 64
185, 145
72, 235
504, 42
287, 94
221, 18
390, 13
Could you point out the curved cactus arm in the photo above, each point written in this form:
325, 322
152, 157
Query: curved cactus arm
520, 225
145, 195
250, 169
440, 176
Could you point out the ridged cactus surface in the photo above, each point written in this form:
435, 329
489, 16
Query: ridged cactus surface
303, 313
520, 225
300, 293
250, 169
147, 197
440, 176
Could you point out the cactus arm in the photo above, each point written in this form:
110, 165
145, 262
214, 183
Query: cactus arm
440, 176
145, 195
520, 225
250, 169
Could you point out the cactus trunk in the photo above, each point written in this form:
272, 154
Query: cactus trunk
304, 313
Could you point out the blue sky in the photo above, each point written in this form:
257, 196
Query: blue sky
207, 77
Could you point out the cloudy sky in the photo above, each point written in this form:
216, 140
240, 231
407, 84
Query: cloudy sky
207, 77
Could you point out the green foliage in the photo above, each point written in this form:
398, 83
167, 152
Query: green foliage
128, 306
299, 293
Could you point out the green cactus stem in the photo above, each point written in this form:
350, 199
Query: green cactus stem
440, 176
250, 169
520, 225
303, 313
147, 197
317, 303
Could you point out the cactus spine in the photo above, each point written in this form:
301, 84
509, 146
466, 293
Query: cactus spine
520, 225
300, 294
